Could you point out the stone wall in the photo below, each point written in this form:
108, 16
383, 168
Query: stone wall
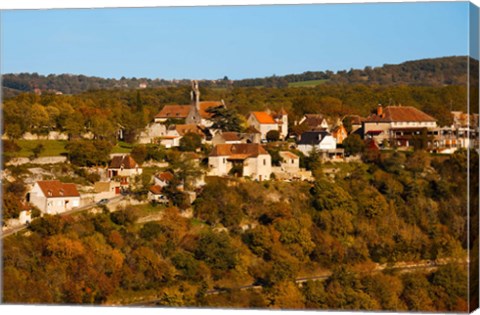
41, 160
52, 135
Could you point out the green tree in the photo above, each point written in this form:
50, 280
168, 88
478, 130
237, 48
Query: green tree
37, 150
225, 119
139, 153
185, 167
190, 142
353, 144
217, 251
88, 153
273, 135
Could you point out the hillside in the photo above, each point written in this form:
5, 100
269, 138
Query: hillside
426, 72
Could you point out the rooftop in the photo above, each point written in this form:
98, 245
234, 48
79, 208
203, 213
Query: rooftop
400, 113
263, 117
238, 149
174, 111
125, 161
55, 188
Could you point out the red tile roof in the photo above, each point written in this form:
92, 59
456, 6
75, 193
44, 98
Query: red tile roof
165, 176
174, 111
206, 105
184, 129
400, 113
288, 155
263, 118
155, 189
55, 188
313, 120
125, 161
231, 136
250, 149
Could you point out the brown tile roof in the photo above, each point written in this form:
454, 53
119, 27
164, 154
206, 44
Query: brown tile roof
251, 149
165, 176
263, 118
206, 105
123, 160
55, 188
400, 113
155, 189
231, 136
251, 129
288, 155
191, 128
313, 120
174, 111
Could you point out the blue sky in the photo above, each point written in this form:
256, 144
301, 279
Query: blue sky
240, 42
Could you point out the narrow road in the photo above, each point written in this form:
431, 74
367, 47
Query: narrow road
17, 229
401, 267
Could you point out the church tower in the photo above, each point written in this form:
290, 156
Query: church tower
195, 95
194, 114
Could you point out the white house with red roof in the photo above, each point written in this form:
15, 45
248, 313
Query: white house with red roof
163, 179
53, 196
123, 166
240, 159
155, 194
265, 122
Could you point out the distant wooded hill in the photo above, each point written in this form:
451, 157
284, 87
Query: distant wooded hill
425, 72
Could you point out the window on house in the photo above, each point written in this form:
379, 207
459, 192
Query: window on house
264, 162
224, 160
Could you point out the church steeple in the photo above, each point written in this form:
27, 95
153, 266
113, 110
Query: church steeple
195, 95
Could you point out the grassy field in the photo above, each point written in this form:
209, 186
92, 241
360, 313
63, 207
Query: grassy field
51, 147
122, 147
311, 83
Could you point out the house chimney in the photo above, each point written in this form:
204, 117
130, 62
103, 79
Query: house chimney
380, 110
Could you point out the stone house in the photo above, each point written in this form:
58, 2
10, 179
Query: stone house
290, 162
397, 124
229, 137
122, 169
244, 159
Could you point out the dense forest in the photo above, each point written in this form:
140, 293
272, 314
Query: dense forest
426, 72
398, 207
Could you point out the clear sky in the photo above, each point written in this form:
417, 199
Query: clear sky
239, 42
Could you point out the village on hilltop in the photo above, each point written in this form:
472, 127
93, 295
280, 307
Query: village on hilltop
246, 153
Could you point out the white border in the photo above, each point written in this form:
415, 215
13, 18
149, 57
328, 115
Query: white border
57, 4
